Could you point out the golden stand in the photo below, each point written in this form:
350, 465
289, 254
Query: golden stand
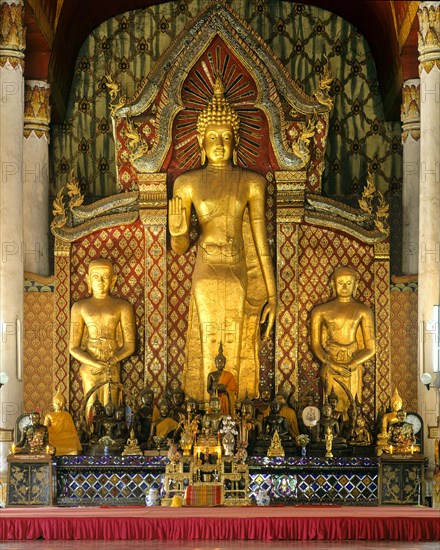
231, 477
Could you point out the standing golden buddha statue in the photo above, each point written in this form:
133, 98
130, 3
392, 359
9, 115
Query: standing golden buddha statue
102, 332
343, 339
233, 285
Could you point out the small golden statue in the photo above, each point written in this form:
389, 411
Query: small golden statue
109, 325
337, 326
328, 442
387, 421
275, 449
212, 419
360, 436
132, 446
233, 285
401, 438
61, 428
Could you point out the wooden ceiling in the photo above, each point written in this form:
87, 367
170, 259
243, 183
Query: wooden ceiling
57, 28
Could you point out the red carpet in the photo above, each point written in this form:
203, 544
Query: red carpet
245, 523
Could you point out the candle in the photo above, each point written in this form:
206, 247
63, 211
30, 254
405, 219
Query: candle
47, 449
13, 448
412, 449
391, 449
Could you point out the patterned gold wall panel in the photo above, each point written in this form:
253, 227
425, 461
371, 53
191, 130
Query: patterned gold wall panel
286, 373
382, 379
61, 357
404, 344
37, 346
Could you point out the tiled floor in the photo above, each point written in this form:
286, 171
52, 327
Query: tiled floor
217, 545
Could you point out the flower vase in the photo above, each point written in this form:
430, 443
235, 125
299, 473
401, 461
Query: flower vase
186, 442
303, 452
153, 497
228, 442
241, 455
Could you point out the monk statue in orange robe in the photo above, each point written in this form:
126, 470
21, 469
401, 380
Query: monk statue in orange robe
163, 427
61, 428
223, 383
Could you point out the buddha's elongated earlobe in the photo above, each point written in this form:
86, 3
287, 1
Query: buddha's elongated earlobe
235, 157
355, 287
113, 283
202, 150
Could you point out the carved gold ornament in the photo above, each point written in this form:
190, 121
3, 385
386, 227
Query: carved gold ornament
373, 203
136, 146
323, 92
300, 145
75, 199
114, 90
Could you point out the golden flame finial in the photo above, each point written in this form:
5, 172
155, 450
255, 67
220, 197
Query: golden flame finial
219, 89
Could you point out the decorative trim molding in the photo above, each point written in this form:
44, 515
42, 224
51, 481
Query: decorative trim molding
12, 34
410, 110
429, 35
36, 108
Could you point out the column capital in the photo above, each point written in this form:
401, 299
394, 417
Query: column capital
429, 35
36, 108
410, 109
12, 33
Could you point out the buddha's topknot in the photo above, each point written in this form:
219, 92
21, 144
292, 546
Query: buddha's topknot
219, 111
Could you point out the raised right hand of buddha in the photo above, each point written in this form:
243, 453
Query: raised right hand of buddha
177, 223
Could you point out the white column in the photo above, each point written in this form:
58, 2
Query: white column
36, 177
11, 209
429, 227
410, 116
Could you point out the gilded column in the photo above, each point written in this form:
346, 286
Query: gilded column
12, 46
382, 319
290, 212
429, 228
153, 213
36, 177
410, 117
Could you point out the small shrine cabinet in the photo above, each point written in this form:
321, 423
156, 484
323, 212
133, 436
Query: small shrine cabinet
30, 480
402, 479
203, 484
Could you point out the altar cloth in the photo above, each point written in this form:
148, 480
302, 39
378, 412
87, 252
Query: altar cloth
222, 523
